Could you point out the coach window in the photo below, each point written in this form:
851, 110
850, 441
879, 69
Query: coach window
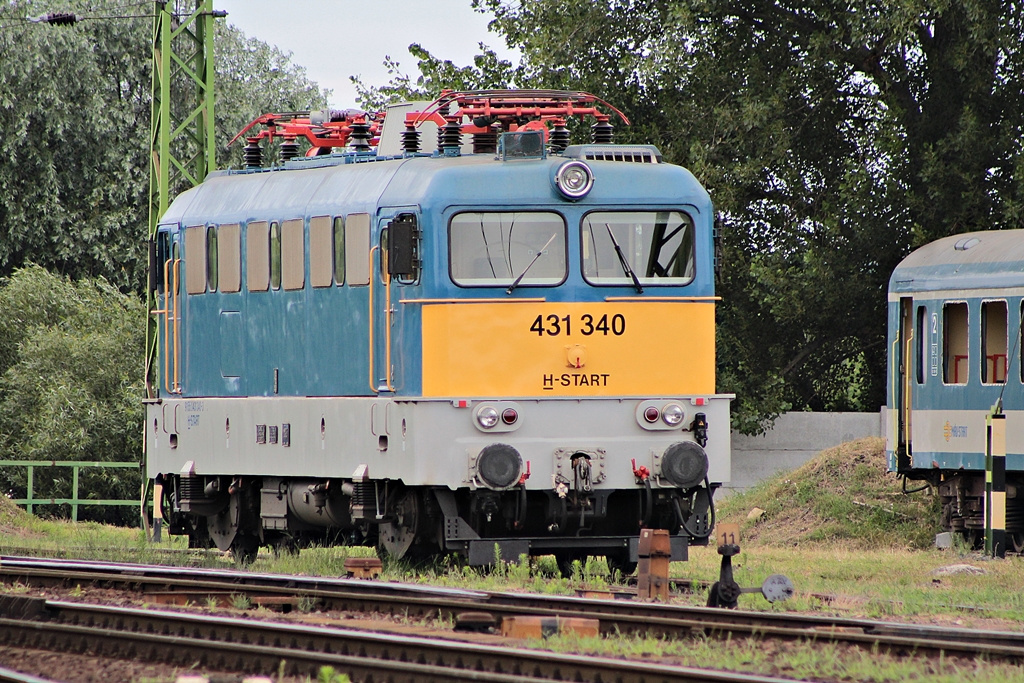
994, 341
211, 258
321, 252
229, 257
195, 259
955, 342
275, 255
655, 246
257, 257
495, 249
922, 344
293, 254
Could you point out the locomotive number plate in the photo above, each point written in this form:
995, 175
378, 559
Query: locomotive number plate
728, 534
586, 325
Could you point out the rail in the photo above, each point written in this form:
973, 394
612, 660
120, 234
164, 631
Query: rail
30, 501
180, 586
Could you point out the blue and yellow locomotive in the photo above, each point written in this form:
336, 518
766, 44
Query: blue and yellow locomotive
955, 310
442, 352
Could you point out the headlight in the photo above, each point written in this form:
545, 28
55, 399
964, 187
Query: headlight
672, 414
574, 179
487, 417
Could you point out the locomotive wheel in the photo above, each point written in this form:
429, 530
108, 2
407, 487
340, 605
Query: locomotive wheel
1017, 541
409, 536
221, 528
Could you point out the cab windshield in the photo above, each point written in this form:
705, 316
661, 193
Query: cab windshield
497, 248
656, 246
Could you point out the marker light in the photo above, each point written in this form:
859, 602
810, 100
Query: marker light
487, 417
651, 414
574, 180
509, 416
672, 414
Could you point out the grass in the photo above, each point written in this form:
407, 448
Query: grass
844, 497
799, 660
839, 527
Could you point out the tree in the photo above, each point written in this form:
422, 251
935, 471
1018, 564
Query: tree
834, 139
70, 383
74, 131
488, 71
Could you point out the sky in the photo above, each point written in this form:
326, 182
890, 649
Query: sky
335, 39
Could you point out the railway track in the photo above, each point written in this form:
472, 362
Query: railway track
261, 647
172, 585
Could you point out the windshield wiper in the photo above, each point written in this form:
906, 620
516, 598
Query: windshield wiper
515, 283
625, 264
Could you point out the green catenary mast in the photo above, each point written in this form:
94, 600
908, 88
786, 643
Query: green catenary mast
182, 149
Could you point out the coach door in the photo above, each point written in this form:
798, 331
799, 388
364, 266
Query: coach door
905, 369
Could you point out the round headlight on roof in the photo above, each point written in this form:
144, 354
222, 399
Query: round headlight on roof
574, 179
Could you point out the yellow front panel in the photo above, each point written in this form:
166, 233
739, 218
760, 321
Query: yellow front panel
568, 349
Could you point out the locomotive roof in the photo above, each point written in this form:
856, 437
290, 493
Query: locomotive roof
978, 260
429, 182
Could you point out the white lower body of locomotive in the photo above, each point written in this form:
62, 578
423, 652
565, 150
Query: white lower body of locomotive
421, 477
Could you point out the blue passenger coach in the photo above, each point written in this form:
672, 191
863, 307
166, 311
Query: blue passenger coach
955, 309
443, 351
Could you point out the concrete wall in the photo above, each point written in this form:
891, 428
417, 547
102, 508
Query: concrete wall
795, 439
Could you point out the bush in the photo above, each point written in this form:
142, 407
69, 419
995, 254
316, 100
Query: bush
71, 387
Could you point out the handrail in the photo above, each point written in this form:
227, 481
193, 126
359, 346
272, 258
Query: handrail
172, 269
31, 501
897, 409
373, 384
387, 321
177, 329
908, 364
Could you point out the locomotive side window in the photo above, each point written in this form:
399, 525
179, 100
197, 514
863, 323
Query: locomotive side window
211, 258
275, 255
195, 259
955, 344
321, 252
229, 257
257, 257
163, 255
293, 254
656, 246
339, 250
497, 248
357, 249
994, 341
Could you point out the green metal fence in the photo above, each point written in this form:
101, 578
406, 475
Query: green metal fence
31, 501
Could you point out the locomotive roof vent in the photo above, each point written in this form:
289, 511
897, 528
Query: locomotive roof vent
641, 154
